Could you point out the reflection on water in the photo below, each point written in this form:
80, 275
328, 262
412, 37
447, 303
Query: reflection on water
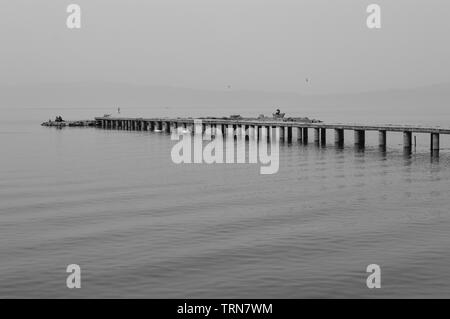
141, 226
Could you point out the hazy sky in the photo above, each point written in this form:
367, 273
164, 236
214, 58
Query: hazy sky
270, 45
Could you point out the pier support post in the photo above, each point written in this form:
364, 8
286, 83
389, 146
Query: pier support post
289, 134
382, 139
339, 136
251, 133
230, 132
305, 135
316, 135
407, 140
434, 145
360, 138
263, 135
221, 131
323, 136
281, 129
208, 131
299, 133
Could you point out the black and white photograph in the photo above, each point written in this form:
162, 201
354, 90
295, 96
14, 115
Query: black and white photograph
224, 154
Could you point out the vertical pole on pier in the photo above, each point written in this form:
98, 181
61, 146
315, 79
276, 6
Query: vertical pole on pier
281, 129
339, 136
360, 138
289, 134
434, 144
407, 140
305, 135
299, 133
316, 135
323, 136
382, 139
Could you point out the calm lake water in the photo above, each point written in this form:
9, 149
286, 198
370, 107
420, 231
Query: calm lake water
141, 226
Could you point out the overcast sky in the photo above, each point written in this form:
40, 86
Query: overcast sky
270, 45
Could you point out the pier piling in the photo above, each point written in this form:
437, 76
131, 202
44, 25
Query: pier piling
274, 130
435, 143
407, 140
339, 136
305, 135
316, 135
360, 138
323, 136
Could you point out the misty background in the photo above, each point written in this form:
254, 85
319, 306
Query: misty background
227, 55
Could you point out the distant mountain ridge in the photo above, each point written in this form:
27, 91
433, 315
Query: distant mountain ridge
109, 94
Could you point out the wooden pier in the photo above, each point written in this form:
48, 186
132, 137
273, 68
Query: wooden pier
262, 128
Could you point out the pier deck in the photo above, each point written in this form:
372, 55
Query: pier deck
256, 127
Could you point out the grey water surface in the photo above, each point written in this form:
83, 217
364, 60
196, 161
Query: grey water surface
141, 226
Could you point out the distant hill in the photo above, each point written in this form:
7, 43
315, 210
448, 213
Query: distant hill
436, 98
